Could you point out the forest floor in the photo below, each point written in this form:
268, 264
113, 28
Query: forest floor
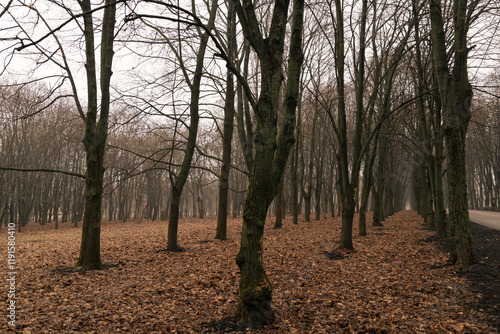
396, 280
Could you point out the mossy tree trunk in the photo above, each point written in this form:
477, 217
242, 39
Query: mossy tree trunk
456, 95
271, 149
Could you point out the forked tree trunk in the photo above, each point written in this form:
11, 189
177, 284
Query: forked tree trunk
95, 132
180, 179
271, 154
348, 173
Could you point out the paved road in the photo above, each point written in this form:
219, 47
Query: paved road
486, 218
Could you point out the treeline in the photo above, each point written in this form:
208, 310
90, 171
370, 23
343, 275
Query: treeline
46, 184
137, 173
483, 148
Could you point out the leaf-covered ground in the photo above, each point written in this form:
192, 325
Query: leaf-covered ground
396, 281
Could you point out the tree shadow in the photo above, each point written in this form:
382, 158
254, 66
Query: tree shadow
61, 271
225, 325
338, 254
165, 250
484, 275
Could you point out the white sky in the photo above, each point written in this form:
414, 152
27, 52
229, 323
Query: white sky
132, 67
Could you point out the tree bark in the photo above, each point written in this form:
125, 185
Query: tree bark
96, 132
456, 95
278, 223
180, 180
220, 233
378, 193
367, 185
270, 154
440, 211
295, 178
318, 188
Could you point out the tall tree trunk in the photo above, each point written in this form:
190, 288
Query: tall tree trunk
307, 205
180, 179
90, 256
307, 191
430, 193
228, 130
110, 203
349, 173
379, 189
95, 131
279, 208
270, 154
440, 211
243, 117
424, 131
367, 185
345, 188
456, 95
295, 166
331, 189
318, 188
201, 204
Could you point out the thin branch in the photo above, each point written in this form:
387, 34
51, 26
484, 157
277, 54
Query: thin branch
72, 18
45, 170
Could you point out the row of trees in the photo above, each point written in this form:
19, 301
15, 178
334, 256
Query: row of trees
370, 100
30, 141
483, 154
135, 185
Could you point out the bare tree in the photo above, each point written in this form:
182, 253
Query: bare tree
455, 92
228, 128
271, 153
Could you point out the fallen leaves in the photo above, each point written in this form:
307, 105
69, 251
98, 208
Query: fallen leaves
395, 281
